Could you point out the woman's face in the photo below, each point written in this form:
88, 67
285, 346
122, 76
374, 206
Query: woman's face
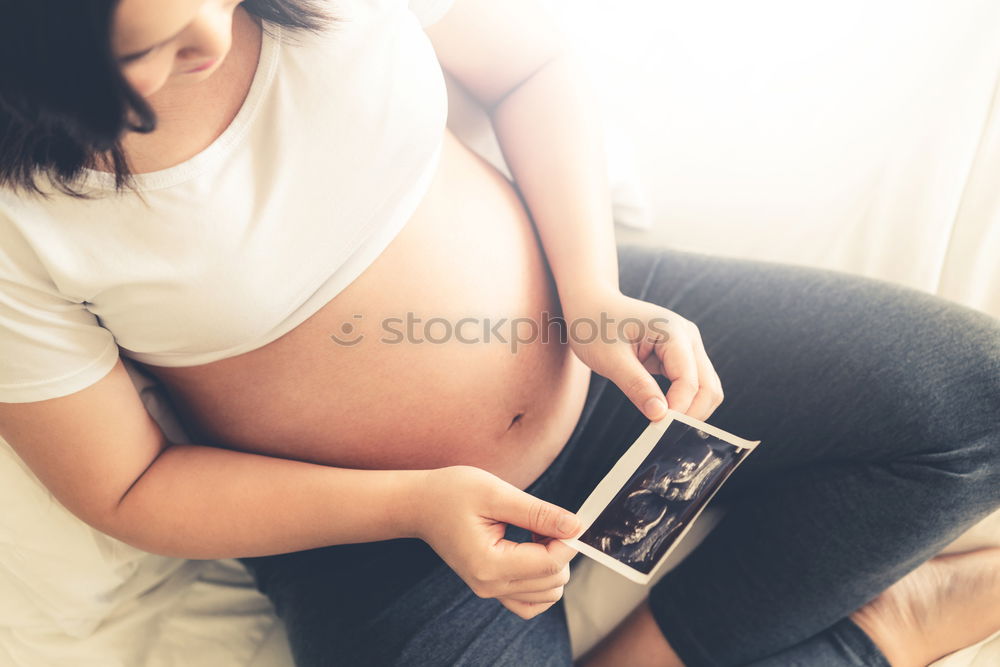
171, 42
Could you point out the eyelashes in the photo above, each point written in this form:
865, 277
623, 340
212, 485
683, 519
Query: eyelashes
139, 55
133, 57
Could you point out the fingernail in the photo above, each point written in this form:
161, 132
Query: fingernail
568, 524
655, 407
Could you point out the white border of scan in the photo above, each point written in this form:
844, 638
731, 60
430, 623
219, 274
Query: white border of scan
620, 474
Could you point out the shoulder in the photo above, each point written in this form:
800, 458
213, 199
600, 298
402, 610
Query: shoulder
19, 260
363, 31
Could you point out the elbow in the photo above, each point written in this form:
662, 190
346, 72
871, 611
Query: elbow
161, 533
558, 56
167, 543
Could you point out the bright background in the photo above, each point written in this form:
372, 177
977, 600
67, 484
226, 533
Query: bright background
860, 135
856, 135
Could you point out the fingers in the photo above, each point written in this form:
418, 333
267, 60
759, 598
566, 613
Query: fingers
521, 568
676, 351
511, 505
530, 597
539, 585
636, 382
550, 596
523, 560
678, 363
536, 575
526, 610
709, 395
515, 568
695, 388
562, 552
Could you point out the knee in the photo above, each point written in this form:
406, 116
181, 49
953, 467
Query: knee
953, 399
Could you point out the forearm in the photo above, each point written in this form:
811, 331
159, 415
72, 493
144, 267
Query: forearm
206, 502
551, 137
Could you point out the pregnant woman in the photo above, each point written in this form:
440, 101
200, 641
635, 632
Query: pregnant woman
259, 203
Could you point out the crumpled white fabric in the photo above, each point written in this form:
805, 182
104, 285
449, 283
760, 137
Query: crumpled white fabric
71, 595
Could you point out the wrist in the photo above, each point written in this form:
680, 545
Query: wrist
581, 294
408, 504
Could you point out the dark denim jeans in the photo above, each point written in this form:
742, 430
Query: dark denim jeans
879, 411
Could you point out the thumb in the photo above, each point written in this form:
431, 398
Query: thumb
636, 382
526, 511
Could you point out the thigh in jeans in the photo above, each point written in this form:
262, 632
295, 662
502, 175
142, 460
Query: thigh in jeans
397, 603
879, 411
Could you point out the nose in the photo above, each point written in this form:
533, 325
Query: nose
208, 36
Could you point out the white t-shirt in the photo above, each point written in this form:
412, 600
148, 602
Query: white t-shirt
328, 157
70, 595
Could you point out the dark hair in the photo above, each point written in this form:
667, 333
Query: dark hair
64, 102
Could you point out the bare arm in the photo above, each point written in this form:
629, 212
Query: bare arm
204, 502
105, 459
512, 59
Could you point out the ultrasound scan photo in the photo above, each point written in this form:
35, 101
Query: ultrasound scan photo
671, 485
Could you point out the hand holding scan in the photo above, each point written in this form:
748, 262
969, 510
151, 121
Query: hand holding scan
464, 519
638, 339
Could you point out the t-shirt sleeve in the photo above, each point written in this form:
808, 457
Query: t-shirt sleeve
50, 345
430, 11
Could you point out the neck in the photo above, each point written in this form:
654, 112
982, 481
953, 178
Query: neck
188, 110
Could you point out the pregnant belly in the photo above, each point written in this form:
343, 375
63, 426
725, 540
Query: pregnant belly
442, 352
